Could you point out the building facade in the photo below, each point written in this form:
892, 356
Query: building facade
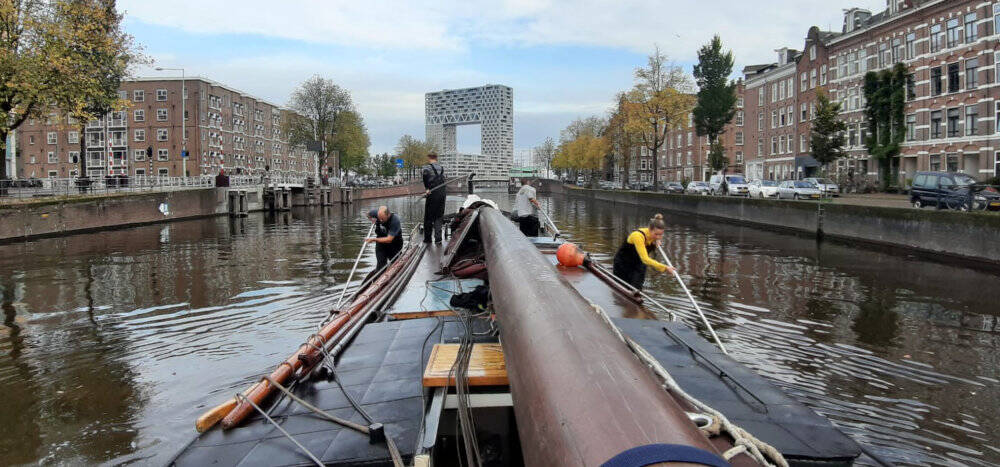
684, 155
491, 107
953, 97
225, 129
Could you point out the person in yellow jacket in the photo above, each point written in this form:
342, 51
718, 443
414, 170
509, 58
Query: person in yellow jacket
633, 256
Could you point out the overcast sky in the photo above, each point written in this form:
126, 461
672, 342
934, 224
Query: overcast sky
563, 59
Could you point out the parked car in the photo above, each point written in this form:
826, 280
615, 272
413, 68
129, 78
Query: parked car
642, 186
952, 190
798, 189
606, 185
825, 185
763, 189
673, 187
698, 188
736, 185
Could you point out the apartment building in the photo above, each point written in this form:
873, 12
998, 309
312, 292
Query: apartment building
684, 155
225, 129
950, 50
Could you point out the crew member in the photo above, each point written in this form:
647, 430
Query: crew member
388, 235
632, 257
433, 176
526, 209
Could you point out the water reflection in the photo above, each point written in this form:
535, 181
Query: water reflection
113, 343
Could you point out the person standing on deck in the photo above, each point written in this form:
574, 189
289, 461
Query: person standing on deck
433, 176
526, 209
632, 256
388, 237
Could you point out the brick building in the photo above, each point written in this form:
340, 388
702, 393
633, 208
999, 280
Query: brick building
684, 156
226, 129
949, 47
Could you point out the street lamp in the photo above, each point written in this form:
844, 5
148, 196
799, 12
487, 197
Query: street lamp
184, 137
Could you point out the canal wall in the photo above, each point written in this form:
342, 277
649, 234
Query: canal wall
89, 213
970, 236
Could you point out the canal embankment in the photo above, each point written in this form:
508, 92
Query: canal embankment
77, 214
967, 236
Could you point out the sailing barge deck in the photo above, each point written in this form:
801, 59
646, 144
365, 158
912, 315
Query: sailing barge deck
575, 392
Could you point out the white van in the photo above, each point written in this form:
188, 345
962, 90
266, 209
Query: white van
736, 185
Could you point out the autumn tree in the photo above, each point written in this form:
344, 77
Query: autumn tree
716, 98
413, 152
622, 138
662, 101
319, 102
66, 56
572, 153
827, 136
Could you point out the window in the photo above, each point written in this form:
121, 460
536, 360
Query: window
954, 33
911, 127
739, 138
937, 38
161, 95
73, 157
911, 45
996, 19
760, 119
781, 90
971, 120
784, 120
971, 71
139, 155
161, 134
690, 138
774, 119
53, 174
760, 147
774, 145
803, 82
791, 115
139, 115
739, 103
852, 136
952, 161
139, 136
812, 78
812, 110
936, 124
822, 75
138, 95
791, 87
802, 108
162, 154
161, 115
936, 83
996, 115
761, 95
996, 162
53, 158
739, 118
802, 143
897, 50
781, 144
739, 157
953, 84
953, 118
163, 172
911, 87
31, 139
51, 137
140, 172
971, 33
935, 164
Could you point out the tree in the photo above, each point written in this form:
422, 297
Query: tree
572, 152
383, 165
319, 102
716, 98
65, 54
885, 104
662, 102
413, 152
349, 141
544, 153
622, 137
827, 136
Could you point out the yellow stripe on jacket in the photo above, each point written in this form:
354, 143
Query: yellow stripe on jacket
639, 241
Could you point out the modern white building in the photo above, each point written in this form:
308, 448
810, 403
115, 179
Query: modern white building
490, 106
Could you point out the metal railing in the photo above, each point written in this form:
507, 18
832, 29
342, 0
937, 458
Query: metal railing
26, 190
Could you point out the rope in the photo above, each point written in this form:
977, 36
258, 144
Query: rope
755, 448
241, 397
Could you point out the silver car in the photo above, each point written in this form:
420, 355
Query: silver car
798, 189
698, 188
825, 185
763, 189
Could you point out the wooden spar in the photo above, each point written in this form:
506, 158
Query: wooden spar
308, 353
580, 395
615, 284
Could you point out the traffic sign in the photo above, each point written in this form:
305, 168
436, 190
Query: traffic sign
399, 163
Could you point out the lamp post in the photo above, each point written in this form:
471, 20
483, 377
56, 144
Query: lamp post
184, 139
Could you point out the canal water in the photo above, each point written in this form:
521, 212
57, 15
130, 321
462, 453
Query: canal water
112, 343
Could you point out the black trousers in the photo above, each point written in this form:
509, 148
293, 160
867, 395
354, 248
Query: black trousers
529, 225
635, 276
433, 212
386, 251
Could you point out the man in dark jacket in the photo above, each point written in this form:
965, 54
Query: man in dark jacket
388, 237
433, 176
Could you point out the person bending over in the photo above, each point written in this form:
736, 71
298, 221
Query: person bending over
388, 237
632, 256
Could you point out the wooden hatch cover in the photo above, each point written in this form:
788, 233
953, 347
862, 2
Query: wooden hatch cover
486, 366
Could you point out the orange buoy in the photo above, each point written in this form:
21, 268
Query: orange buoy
569, 255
